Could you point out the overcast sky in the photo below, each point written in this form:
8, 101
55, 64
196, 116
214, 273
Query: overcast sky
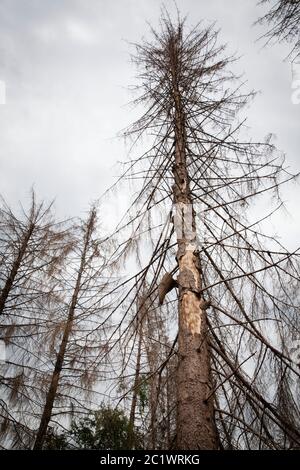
66, 67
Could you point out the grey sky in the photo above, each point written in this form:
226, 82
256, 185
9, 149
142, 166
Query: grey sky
66, 67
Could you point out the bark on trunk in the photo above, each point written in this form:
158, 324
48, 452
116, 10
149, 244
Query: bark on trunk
195, 415
153, 399
15, 268
52, 391
47, 412
168, 406
135, 385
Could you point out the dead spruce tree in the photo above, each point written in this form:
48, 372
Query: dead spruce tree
32, 247
234, 288
138, 327
160, 383
283, 20
148, 389
77, 337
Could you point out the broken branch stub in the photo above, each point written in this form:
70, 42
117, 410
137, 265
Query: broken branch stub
166, 285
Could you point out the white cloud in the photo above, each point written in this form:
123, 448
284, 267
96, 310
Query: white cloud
66, 69
70, 29
46, 33
79, 32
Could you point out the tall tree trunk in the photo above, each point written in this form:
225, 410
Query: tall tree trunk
47, 412
195, 414
15, 268
168, 409
151, 350
153, 407
136, 383
52, 391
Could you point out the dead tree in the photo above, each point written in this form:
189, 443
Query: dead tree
140, 320
152, 387
231, 284
80, 341
158, 353
283, 20
32, 247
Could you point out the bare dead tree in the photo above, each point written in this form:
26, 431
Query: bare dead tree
236, 288
140, 319
84, 286
32, 247
162, 366
283, 20
152, 380
24, 253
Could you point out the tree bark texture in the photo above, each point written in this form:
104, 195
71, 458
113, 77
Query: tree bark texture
52, 391
195, 414
15, 268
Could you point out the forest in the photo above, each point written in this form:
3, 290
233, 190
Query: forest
180, 328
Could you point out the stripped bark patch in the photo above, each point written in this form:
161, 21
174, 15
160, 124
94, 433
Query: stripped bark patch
191, 313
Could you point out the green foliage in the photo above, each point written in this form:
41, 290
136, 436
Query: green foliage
105, 429
56, 441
